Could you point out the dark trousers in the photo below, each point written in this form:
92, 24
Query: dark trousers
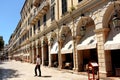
37, 67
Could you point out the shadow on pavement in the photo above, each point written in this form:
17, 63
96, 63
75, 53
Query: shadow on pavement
1, 62
8, 73
46, 76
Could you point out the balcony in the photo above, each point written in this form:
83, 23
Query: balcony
36, 2
41, 10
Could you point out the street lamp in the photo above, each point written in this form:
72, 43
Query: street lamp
115, 19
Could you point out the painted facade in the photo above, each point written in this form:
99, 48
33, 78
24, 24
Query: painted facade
68, 34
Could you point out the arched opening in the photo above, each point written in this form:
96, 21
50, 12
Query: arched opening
112, 42
54, 49
34, 52
39, 49
86, 45
45, 51
66, 48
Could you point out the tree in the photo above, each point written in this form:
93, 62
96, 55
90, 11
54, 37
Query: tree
1, 43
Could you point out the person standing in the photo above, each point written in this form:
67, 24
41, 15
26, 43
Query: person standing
38, 63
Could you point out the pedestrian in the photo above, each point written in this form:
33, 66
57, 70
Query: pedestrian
38, 63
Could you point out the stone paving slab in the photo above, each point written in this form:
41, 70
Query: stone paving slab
15, 70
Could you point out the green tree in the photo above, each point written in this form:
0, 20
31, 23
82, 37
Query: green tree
1, 43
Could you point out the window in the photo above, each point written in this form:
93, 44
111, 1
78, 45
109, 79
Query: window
52, 1
34, 29
52, 13
31, 6
28, 21
30, 31
64, 6
38, 24
28, 34
44, 19
79, 0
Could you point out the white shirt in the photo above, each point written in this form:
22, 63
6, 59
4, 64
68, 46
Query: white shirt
38, 61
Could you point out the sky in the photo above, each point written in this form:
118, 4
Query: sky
9, 17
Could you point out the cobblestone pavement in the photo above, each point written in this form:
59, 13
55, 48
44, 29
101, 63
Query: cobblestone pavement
15, 70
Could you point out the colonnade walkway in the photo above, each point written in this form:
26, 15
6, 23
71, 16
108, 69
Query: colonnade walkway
16, 70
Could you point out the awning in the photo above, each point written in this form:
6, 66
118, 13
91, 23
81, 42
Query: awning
54, 49
67, 48
88, 41
26, 54
113, 40
16, 55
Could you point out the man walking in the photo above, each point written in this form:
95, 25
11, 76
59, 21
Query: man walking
38, 63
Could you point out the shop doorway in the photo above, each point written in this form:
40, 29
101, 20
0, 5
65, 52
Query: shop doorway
54, 58
115, 56
86, 56
67, 62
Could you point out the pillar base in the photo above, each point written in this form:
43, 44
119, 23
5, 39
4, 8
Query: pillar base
102, 75
75, 69
49, 65
59, 67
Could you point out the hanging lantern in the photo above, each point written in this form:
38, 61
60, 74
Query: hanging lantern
83, 27
63, 36
82, 30
116, 20
44, 43
51, 40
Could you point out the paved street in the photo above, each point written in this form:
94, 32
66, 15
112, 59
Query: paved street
15, 70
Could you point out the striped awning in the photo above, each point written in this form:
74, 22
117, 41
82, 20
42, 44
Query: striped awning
54, 49
67, 48
113, 40
89, 40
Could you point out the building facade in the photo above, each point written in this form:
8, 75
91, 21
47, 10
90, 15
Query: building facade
68, 34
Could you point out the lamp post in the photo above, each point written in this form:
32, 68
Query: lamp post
115, 19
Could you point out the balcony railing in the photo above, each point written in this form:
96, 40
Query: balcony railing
24, 29
88, 3
41, 10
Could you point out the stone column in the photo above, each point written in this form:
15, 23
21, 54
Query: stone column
32, 54
42, 48
59, 54
37, 49
30, 49
102, 56
78, 56
74, 53
50, 61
